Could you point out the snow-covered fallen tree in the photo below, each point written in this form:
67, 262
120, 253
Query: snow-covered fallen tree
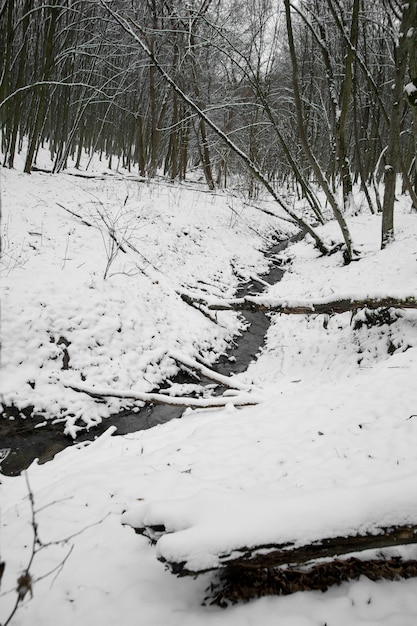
246, 534
329, 306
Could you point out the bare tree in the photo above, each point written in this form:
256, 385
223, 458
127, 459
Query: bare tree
393, 153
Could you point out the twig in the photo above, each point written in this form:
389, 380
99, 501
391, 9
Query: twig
66, 252
112, 235
26, 581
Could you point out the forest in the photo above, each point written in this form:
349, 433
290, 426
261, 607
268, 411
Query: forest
208, 407
276, 94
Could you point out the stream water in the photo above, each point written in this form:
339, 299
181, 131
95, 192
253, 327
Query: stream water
28, 442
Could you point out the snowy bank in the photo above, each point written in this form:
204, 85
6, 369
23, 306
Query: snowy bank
64, 324
333, 439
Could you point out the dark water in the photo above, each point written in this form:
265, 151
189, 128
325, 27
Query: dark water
27, 442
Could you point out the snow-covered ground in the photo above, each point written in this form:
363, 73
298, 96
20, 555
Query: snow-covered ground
76, 309
330, 449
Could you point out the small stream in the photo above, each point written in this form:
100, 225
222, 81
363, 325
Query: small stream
27, 442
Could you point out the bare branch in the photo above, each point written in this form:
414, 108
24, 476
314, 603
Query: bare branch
83, 221
54, 83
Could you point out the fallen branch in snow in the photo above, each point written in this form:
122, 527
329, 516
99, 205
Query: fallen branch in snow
191, 302
83, 221
226, 381
305, 307
158, 398
85, 175
276, 555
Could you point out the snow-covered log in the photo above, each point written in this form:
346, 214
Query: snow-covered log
310, 307
251, 532
283, 569
245, 399
278, 555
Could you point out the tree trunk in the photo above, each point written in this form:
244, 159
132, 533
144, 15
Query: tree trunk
393, 154
411, 88
341, 118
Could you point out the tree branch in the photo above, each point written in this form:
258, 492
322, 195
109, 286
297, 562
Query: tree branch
83, 221
226, 381
157, 398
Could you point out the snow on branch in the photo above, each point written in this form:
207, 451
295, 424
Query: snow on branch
226, 381
309, 307
245, 399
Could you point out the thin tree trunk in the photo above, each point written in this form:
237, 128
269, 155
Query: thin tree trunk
393, 153
341, 116
411, 89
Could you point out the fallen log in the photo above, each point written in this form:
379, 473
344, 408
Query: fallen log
158, 398
326, 548
288, 554
305, 307
284, 569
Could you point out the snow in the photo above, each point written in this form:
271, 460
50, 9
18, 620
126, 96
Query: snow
410, 89
329, 449
119, 330
220, 524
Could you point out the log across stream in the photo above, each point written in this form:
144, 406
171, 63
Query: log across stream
28, 442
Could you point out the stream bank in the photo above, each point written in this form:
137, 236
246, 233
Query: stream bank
27, 440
